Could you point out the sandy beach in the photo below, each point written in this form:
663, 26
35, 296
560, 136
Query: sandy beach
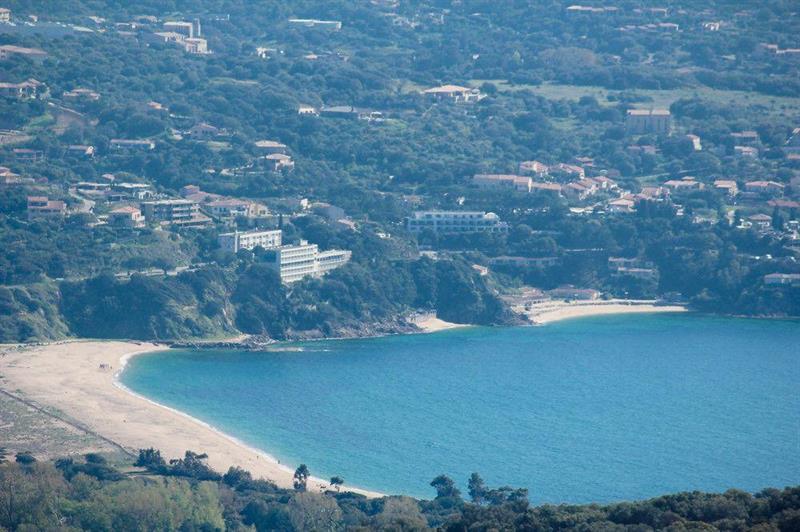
557, 310
80, 380
431, 324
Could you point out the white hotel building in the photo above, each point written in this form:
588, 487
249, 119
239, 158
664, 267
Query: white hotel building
235, 241
295, 262
449, 222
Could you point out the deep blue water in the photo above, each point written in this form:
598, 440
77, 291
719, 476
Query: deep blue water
588, 410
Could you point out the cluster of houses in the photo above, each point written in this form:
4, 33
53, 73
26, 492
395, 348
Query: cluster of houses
558, 180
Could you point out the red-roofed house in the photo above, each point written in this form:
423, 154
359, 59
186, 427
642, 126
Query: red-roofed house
41, 207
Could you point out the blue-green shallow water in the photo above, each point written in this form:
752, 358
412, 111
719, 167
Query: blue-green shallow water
597, 409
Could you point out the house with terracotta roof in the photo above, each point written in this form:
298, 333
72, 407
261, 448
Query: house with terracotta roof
514, 182
728, 187
534, 168
745, 151
644, 121
622, 205
278, 161
128, 216
41, 207
28, 89
549, 189
568, 171
769, 189
270, 146
687, 184
761, 222
81, 94
453, 93
8, 50
745, 138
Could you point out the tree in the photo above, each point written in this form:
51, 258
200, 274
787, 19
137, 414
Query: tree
313, 511
301, 477
477, 488
337, 482
400, 513
777, 219
445, 487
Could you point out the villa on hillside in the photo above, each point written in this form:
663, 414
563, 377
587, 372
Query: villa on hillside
513, 182
128, 216
41, 207
453, 93
28, 89
8, 50
644, 121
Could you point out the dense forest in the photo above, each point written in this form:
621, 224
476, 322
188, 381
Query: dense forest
89, 493
554, 91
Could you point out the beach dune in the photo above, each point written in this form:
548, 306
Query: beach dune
80, 380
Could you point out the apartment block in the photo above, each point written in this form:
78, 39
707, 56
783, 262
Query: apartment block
233, 242
451, 222
175, 212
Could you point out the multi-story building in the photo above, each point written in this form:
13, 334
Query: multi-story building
182, 27
174, 211
449, 222
42, 207
295, 262
5, 14
644, 121
233, 242
332, 259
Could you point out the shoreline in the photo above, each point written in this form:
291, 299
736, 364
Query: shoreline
558, 310
81, 379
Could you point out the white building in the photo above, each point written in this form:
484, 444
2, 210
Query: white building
455, 222
235, 241
315, 23
295, 262
5, 14
195, 45
182, 27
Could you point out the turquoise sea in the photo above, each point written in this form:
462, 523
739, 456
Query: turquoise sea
587, 410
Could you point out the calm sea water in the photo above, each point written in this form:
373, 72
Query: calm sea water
597, 409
